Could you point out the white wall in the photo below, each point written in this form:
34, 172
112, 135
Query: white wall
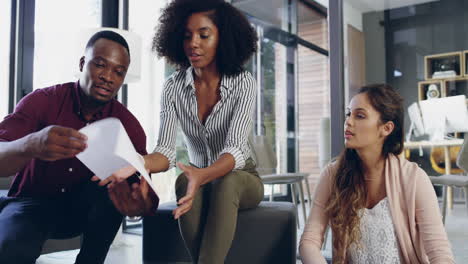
353, 17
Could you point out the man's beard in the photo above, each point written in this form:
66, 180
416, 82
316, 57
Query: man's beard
96, 102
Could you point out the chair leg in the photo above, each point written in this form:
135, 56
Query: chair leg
271, 192
301, 196
308, 191
293, 196
466, 197
444, 204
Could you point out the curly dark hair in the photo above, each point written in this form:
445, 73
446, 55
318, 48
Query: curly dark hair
237, 38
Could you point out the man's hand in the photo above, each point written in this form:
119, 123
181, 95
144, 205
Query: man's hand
194, 178
137, 200
55, 143
117, 177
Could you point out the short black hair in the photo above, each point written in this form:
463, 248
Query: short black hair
110, 35
237, 38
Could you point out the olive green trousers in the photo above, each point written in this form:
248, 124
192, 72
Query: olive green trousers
208, 228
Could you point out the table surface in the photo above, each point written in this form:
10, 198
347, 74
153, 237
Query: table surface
428, 143
440, 143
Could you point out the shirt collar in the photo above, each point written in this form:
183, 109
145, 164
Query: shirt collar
226, 82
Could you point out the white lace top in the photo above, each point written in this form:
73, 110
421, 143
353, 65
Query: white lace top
378, 239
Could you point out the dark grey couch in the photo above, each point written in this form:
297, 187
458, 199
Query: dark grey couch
266, 234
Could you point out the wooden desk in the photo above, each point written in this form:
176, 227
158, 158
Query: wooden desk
448, 166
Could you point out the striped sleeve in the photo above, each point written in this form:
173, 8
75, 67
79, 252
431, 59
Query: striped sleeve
168, 124
236, 142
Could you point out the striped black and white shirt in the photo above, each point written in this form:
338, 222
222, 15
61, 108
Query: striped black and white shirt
226, 129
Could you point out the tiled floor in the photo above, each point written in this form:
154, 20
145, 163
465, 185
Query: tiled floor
127, 249
457, 230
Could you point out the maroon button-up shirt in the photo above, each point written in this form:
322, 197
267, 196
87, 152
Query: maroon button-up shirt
58, 105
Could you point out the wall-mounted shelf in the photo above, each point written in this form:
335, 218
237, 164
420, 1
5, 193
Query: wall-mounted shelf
465, 59
457, 86
444, 65
423, 88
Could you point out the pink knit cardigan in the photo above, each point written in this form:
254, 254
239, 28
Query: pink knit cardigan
414, 210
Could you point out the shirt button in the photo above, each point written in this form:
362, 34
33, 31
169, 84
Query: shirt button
70, 169
63, 190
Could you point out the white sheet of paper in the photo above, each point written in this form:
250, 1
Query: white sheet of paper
110, 149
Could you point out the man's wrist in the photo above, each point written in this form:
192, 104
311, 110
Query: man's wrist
26, 146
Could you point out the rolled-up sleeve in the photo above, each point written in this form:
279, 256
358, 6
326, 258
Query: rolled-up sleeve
168, 124
236, 142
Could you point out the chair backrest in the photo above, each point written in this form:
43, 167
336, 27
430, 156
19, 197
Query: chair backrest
462, 158
437, 159
324, 145
263, 155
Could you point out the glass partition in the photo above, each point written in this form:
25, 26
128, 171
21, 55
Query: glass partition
5, 24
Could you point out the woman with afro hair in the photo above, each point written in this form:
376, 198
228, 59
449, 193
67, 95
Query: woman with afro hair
212, 99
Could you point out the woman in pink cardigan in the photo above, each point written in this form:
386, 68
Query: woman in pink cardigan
381, 208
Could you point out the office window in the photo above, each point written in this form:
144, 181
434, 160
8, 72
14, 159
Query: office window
273, 99
270, 114
275, 15
144, 96
5, 22
312, 26
57, 27
313, 92
313, 111
294, 80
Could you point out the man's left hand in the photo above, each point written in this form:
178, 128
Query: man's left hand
135, 200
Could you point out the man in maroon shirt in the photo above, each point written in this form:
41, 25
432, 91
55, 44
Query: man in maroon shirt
52, 195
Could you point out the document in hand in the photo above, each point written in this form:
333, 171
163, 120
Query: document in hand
110, 149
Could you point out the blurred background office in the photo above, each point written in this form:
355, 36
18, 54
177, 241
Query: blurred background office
313, 56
